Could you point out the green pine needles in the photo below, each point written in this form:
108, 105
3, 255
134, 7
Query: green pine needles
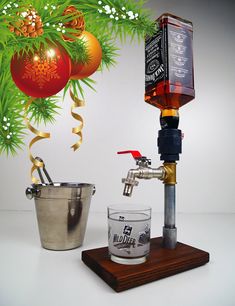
107, 20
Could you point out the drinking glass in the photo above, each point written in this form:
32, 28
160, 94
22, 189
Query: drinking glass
129, 233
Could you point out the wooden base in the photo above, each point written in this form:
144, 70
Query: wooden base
161, 263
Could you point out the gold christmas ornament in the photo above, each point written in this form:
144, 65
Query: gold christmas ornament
77, 23
94, 51
29, 25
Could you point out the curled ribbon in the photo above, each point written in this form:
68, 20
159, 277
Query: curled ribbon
39, 136
76, 130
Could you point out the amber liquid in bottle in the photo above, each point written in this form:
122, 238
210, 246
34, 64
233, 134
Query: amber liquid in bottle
169, 81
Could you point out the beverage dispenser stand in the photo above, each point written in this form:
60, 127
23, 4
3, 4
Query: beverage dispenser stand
169, 85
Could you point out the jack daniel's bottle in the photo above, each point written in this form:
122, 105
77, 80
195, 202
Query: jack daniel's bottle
169, 82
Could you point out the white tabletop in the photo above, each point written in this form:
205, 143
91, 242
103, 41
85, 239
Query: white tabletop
33, 276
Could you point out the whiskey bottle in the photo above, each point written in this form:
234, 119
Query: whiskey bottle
169, 81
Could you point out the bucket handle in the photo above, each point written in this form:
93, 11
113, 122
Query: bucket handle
32, 192
45, 172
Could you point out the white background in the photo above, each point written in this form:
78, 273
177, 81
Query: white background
117, 118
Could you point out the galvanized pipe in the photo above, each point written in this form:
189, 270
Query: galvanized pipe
169, 202
169, 229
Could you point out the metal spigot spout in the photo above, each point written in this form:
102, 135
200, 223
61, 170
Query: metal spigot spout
129, 182
128, 188
141, 173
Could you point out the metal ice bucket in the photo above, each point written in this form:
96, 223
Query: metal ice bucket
62, 212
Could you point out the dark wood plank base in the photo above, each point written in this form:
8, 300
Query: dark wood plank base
161, 263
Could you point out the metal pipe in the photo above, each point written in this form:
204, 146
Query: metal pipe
169, 202
169, 229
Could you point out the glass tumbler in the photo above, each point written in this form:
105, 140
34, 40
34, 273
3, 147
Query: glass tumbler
129, 233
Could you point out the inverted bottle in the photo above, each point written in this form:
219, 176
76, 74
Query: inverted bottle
169, 80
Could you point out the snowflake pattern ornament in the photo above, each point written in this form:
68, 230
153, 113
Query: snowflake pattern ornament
43, 73
40, 71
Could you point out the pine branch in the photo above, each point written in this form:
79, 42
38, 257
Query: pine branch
129, 18
12, 137
118, 18
76, 87
12, 128
109, 52
79, 51
43, 110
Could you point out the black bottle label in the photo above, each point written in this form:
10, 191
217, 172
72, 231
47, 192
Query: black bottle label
154, 65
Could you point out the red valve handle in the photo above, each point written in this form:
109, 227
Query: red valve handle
135, 154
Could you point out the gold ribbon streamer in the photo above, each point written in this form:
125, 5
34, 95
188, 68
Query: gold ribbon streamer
42, 135
76, 130
39, 136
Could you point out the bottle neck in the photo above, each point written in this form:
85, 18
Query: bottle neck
169, 118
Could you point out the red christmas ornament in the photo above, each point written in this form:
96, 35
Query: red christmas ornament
43, 73
80, 70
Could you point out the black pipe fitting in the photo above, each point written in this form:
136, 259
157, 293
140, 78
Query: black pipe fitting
169, 144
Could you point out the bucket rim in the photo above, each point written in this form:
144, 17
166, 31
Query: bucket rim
63, 185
